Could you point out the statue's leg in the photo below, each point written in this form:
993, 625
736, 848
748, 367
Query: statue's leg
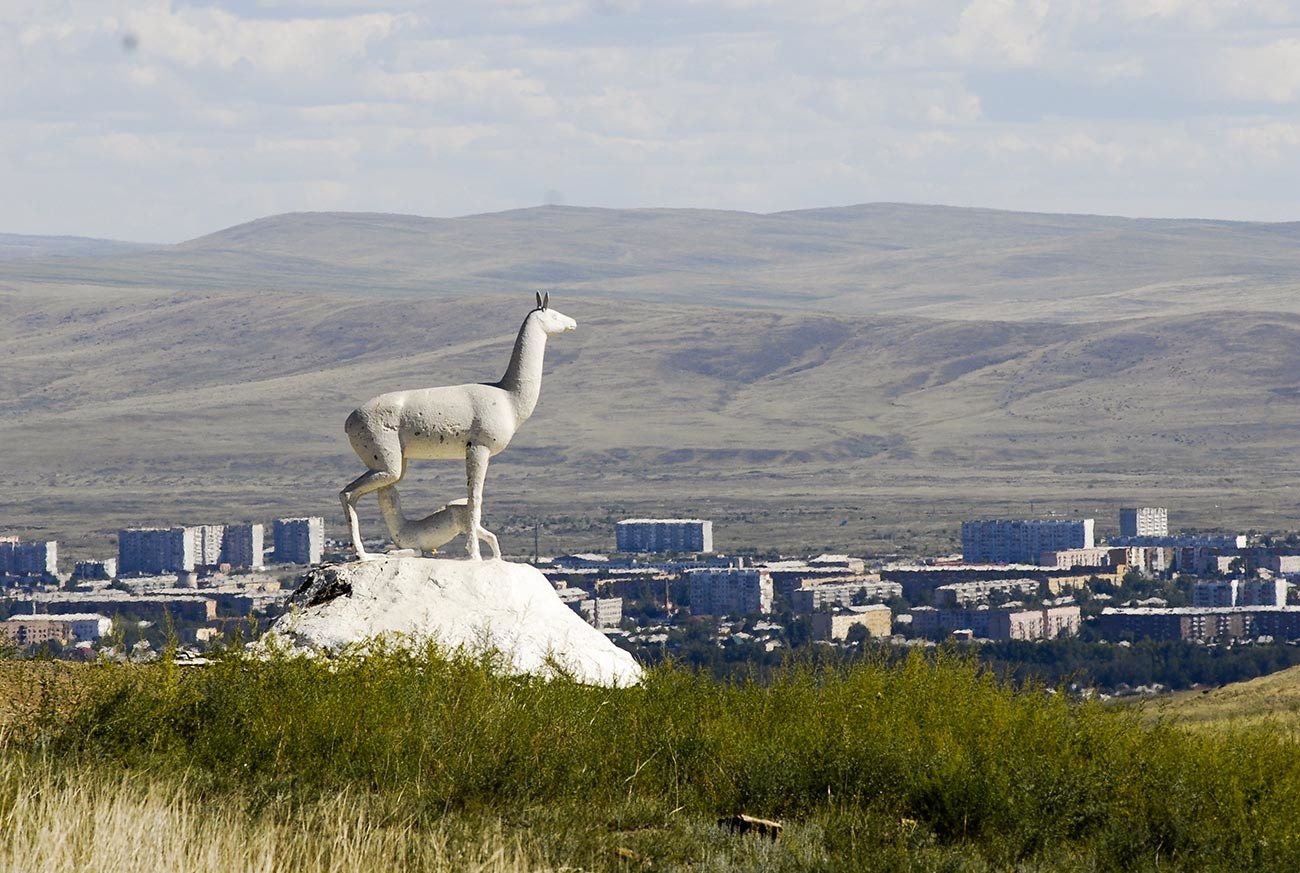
491, 541
476, 463
388, 471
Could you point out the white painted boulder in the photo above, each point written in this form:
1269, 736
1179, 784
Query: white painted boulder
460, 605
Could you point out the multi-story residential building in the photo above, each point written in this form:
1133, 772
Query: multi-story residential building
153, 607
664, 535
1065, 559
1184, 541
876, 618
242, 545
819, 596
1022, 541
1233, 592
18, 558
730, 591
1145, 521
27, 630
1283, 565
207, 543
1201, 623
95, 569
976, 593
597, 611
146, 550
602, 611
299, 540
1045, 623
789, 575
1219, 592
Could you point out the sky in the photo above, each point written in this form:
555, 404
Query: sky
161, 121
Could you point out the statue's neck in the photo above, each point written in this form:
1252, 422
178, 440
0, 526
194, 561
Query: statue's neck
523, 378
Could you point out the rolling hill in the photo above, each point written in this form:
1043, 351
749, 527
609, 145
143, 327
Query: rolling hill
858, 378
932, 261
169, 406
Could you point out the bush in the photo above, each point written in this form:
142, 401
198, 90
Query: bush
932, 755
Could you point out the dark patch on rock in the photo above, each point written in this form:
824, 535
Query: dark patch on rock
320, 585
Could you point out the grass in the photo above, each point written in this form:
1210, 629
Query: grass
437, 762
1271, 702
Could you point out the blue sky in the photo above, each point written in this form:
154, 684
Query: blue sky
161, 121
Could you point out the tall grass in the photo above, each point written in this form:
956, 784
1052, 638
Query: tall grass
54, 819
871, 766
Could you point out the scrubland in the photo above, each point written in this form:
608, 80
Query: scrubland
425, 762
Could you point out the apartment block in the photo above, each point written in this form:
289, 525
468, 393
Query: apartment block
299, 540
28, 630
1283, 565
1022, 541
729, 591
153, 607
95, 569
877, 618
664, 535
242, 545
207, 543
602, 611
817, 597
1200, 623
1066, 559
18, 558
962, 594
1234, 592
149, 550
1044, 623
1144, 521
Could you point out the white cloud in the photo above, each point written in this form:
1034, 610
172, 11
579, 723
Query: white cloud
1262, 72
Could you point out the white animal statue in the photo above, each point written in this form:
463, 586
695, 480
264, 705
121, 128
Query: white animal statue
473, 422
435, 530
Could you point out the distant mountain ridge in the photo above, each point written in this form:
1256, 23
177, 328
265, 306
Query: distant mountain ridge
820, 378
15, 245
934, 261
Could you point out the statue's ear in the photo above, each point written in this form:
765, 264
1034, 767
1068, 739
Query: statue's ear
546, 300
540, 305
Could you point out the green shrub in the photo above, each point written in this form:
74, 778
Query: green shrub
905, 761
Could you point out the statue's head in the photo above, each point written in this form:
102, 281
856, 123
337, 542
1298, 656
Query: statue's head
551, 320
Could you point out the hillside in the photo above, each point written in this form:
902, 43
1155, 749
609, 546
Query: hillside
873, 259
793, 430
1268, 700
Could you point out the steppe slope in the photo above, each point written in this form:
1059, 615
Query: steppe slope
861, 260
169, 407
1272, 700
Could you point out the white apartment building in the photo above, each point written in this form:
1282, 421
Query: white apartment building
207, 543
1144, 521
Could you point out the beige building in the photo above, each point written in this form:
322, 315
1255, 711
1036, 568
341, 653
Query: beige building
32, 630
877, 618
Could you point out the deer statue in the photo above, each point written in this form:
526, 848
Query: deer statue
473, 422
435, 530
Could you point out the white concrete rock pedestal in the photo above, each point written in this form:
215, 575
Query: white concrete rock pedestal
465, 605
